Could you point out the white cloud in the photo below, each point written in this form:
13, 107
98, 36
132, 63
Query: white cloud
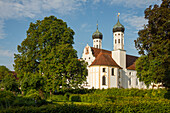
133, 3
6, 53
32, 8
12, 9
134, 21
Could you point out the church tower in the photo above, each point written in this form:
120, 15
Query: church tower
118, 53
118, 34
97, 39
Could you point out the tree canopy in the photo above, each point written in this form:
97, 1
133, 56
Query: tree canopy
47, 51
4, 71
153, 44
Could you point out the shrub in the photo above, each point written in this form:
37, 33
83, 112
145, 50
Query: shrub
34, 94
75, 98
58, 98
67, 95
6, 99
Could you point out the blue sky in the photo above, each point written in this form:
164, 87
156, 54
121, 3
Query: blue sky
80, 15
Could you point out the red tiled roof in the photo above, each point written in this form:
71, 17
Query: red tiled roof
104, 58
130, 61
132, 67
97, 51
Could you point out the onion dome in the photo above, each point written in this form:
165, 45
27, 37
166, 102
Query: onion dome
118, 27
97, 34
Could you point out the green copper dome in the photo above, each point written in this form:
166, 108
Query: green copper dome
118, 27
97, 34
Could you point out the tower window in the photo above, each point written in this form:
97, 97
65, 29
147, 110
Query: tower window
130, 73
104, 69
118, 40
115, 34
112, 71
118, 33
96, 40
103, 80
96, 46
115, 41
122, 34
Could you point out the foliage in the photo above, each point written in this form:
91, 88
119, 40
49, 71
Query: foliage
33, 94
10, 83
75, 98
149, 107
106, 100
58, 98
47, 51
153, 43
34, 82
4, 71
6, 99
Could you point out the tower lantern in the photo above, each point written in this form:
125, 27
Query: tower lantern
97, 39
118, 35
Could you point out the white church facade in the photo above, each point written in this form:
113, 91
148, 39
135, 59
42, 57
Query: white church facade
110, 69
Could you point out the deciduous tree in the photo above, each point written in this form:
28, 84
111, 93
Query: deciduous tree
48, 51
154, 44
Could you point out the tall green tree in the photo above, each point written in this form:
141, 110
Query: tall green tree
48, 51
153, 44
4, 71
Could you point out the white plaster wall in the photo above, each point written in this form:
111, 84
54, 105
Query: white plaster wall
118, 45
119, 57
89, 58
133, 77
97, 42
106, 75
113, 79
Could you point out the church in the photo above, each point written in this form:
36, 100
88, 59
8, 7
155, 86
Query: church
110, 69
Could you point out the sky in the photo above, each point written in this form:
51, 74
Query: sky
80, 15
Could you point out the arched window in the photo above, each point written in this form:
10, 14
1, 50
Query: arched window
112, 71
104, 69
97, 46
118, 40
115, 41
103, 80
136, 81
130, 81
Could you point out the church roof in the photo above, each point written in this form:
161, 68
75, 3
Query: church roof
96, 51
132, 67
130, 61
97, 34
118, 27
104, 57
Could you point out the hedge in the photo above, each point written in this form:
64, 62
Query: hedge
160, 93
95, 108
